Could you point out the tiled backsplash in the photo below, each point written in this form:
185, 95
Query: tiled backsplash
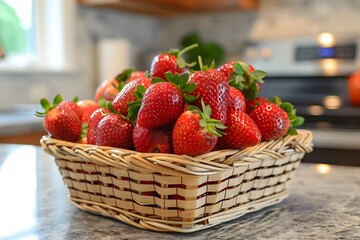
274, 18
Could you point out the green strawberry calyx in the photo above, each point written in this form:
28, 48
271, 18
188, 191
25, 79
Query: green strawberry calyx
134, 106
182, 82
245, 81
205, 67
211, 125
47, 106
122, 77
295, 121
180, 61
113, 111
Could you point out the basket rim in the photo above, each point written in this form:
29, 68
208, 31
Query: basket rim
173, 164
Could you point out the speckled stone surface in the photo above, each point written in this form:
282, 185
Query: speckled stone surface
34, 205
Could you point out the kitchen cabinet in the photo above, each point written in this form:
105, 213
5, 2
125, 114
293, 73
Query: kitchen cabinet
32, 138
167, 8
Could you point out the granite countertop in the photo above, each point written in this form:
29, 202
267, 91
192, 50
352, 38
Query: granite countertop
324, 203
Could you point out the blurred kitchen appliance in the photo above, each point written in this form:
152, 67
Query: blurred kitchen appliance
312, 74
113, 55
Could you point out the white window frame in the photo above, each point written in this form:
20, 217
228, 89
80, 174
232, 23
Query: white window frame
55, 40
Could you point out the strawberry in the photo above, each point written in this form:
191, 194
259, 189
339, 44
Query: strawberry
241, 132
163, 102
213, 88
161, 106
152, 140
110, 88
236, 100
70, 105
114, 131
107, 90
60, 123
228, 69
170, 61
87, 107
126, 95
94, 119
276, 118
136, 75
195, 132
252, 104
243, 77
63, 124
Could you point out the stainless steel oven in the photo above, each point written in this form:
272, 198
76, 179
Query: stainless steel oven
312, 73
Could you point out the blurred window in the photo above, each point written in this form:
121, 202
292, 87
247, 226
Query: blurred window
35, 34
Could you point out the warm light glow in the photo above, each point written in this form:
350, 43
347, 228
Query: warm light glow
332, 102
266, 53
315, 110
323, 168
329, 66
252, 52
326, 39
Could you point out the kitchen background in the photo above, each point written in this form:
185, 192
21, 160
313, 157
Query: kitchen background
88, 30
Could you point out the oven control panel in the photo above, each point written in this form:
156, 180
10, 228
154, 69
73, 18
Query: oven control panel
304, 57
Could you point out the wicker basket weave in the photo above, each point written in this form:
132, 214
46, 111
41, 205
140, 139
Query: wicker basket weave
168, 192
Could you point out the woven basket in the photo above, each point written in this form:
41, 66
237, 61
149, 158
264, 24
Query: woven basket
168, 192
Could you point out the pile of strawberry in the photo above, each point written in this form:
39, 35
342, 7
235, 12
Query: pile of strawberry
173, 109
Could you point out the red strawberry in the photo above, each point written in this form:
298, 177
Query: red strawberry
195, 132
70, 105
136, 75
161, 106
63, 124
110, 88
170, 61
243, 77
95, 118
87, 107
126, 95
276, 118
107, 90
163, 102
228, 69
60, 122
236, 100
254, 103
213, 88
241, 132
152, 140
114, 131
272, 121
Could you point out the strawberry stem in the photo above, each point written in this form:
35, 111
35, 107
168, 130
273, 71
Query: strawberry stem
188, 48
205, 67
179, 60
